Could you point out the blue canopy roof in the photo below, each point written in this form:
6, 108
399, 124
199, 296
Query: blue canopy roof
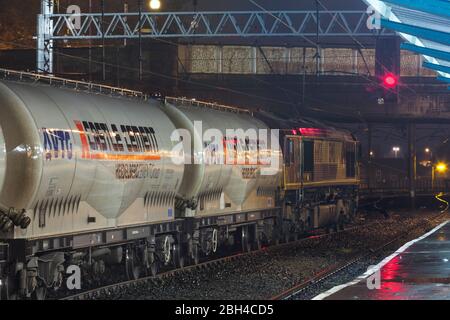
425, 26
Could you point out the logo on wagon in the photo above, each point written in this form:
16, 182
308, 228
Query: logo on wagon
57, 144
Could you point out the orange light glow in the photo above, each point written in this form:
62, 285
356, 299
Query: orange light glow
441, 167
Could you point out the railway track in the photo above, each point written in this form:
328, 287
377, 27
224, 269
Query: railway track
327, 273
105, 291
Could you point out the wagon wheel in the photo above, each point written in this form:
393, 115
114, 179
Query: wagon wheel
255, 237
214, 240
178, 257
195, 259
152, 264
40, 292
133, 264
244, 240
193, 252
257, 243
167, 252
276, 240
154, 269
4, 288
341, 222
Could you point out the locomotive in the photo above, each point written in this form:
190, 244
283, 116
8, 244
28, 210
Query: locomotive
106, 177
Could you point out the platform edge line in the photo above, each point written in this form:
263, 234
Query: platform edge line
379, 265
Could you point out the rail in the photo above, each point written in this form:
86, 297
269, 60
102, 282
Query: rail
109, 290
322, 276
14, 75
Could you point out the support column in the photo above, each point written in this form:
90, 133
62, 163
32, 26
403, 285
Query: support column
355, 61
254, 62
140, 41
304, 78
219, 53
412, 164
103, 41
318, 51
44, 63
369, 155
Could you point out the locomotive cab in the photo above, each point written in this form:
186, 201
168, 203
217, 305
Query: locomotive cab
320, 178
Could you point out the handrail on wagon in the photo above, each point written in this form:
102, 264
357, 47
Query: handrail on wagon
196, 103
14, 75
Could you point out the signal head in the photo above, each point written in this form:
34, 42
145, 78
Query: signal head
390, 80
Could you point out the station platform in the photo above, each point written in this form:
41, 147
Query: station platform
419, 270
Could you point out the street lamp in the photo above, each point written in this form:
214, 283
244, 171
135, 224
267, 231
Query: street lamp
441, 168
429, 152
396, 150
155, 4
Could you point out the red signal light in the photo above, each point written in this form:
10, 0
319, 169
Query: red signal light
390, 80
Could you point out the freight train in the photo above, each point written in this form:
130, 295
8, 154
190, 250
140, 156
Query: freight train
97, 177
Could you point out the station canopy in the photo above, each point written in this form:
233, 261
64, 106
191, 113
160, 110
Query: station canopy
425, 27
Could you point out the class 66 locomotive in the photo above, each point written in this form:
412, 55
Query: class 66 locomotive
98, 177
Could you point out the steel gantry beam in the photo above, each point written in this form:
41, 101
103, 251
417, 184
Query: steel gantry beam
107, 26
211, 24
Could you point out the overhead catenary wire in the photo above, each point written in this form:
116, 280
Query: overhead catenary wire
202, 84
314, 44
308, 40
360, 44
256, 78
305, 38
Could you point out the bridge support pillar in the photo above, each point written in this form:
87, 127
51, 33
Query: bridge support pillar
369, 155
412, 168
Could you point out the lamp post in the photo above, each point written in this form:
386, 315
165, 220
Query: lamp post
154, 5
140, 39
433, 173
430, 153
433, 176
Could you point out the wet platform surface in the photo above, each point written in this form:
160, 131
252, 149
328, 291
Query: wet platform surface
420, 270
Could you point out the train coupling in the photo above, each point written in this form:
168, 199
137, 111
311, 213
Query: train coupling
13, 217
